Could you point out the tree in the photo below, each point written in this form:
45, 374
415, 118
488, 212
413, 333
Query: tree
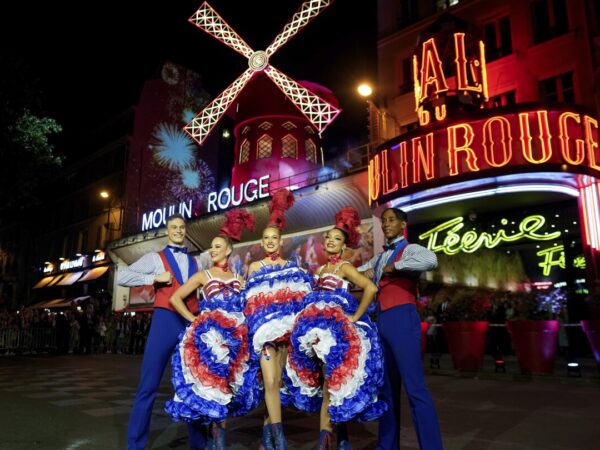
27, 155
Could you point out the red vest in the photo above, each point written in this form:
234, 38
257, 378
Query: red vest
162, 299
397, 290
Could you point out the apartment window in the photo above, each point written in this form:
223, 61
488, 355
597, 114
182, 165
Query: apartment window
409, 12
549, 19
264, 147
289, 147
244, 151
311, 150
505, 99
405, 75
498, 42
83, 241
100, 236
558, 89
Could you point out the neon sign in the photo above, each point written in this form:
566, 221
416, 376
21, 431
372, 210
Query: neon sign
524, 140
246, 192
445, 237
158, 217
553, 257
71, 264
431, 84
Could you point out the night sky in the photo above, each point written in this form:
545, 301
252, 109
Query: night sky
93, 65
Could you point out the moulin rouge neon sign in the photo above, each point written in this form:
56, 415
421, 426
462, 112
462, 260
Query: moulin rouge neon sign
446, 238
525, 139
532, 139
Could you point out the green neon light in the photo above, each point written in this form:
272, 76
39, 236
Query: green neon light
553, 257
444, 237
579, 262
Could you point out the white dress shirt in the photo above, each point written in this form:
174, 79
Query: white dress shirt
143, 271
415, 258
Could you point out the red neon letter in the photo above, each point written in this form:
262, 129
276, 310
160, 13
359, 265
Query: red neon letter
563, 135
454, 148
385, 173
432, 72
591, 142
403, 165
505, 141
374, 178
422, 159
462, 82
544, 137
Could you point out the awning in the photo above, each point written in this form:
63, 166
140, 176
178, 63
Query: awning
43, 282
70, 278
48, 303
59, 302
96, 272
56, 280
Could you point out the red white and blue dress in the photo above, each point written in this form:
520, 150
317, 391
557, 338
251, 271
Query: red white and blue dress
324, 343
213, 374
273, 298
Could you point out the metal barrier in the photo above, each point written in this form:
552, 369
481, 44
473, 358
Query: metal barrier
16, 341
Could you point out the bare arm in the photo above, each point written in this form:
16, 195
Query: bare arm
350, 273
197, 280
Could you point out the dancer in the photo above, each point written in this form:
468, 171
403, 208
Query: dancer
396, 271
334, 347
274, 293
166, 270
212, 376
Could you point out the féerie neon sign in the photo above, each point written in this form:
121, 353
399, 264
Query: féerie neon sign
445, 237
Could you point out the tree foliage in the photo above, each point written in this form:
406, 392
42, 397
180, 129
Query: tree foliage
27, 155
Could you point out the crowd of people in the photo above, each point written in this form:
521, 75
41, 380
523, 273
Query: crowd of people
82, 329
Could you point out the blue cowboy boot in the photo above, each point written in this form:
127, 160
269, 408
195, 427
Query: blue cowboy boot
278, 437
266, 442
216, 437
342, 437
325, 439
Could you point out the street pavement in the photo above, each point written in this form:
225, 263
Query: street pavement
76, 402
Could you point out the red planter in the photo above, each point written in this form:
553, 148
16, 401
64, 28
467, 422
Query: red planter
466, 342
592, 331
534, 342
424, 329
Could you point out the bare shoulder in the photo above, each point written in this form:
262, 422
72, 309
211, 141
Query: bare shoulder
253, 267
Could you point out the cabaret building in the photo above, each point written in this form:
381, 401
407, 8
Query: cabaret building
495, 154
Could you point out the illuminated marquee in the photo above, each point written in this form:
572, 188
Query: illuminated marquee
445, 237
465, 75
529, 140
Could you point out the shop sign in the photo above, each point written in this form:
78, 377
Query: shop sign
446, 237
68, 264
158, 217
246, 192
228, 197
527, 141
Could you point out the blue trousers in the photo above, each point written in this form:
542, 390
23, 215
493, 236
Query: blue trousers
400, 332
162, 339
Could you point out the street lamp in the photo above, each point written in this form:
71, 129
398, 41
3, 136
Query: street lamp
106, 196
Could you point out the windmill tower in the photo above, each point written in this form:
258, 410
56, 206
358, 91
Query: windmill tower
278, 120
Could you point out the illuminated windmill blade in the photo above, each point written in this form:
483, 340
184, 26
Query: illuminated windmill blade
308, 11
318, 111
203, 123
210, 21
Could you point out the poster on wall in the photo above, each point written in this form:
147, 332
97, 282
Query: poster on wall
305, 248
140, 296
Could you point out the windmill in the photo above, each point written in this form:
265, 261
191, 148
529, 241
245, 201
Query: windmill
319, 112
